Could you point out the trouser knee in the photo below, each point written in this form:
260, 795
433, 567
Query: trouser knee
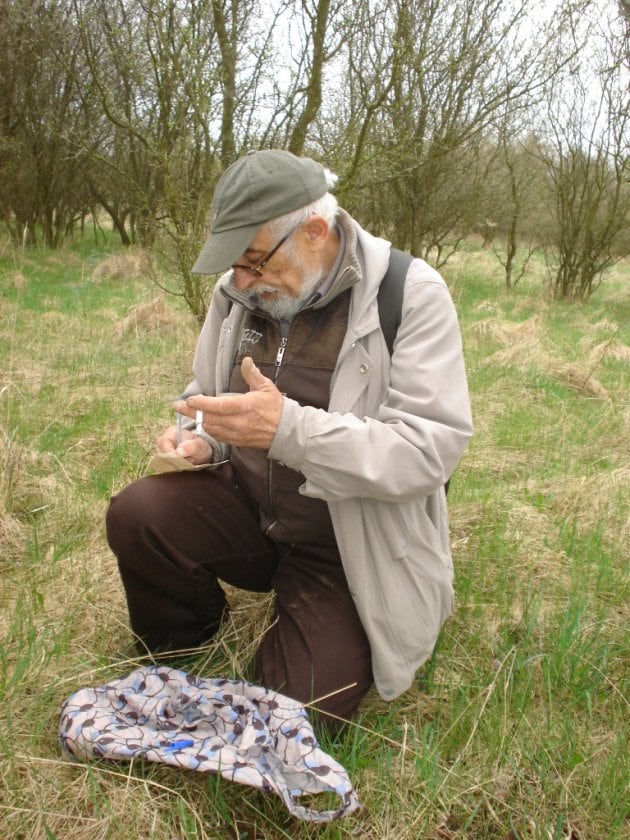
134, 513
123, 519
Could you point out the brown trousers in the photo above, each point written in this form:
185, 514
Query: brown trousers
177, 535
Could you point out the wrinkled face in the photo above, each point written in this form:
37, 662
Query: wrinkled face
281, 273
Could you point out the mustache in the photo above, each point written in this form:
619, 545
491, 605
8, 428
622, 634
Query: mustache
261, 288
258, 289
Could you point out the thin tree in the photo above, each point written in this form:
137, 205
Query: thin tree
586, 157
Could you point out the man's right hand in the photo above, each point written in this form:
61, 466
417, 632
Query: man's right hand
192, 448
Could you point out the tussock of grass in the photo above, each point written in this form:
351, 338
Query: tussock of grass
30, 478
523, 355
579, 378
63, 259
507, 332
127, 266
605, 325
590, 499
611, 349
151, 316
17, 280
525, 348
11, 535
517, 728
491, 306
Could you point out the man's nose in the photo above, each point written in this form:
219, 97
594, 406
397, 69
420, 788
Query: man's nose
243, 279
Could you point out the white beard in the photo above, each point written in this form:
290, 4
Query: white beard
284, 307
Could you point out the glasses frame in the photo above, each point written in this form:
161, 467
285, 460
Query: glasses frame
256, 270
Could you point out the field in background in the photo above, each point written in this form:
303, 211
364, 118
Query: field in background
518, 728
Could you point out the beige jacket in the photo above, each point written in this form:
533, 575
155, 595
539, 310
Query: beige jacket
380, 455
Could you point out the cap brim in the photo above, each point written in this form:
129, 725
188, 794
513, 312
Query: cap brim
223, 248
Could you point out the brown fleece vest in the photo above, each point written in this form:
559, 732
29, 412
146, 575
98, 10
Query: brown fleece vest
301, 365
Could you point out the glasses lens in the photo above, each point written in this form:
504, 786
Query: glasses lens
256, 270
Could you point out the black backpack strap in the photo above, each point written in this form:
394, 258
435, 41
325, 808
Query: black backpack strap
390, 295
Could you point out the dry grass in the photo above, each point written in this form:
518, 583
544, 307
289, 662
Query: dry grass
612, 349
605, 325
501, 331
17, 280
64, 259
578, 378
128, 266
511, 732
590, 499
11, 535
527, 346
522, 341
151, 316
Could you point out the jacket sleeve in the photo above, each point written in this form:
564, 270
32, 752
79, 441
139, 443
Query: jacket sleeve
208, 345
205, 364
408, 441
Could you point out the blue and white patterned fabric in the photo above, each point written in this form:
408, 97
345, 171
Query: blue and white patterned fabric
245, 733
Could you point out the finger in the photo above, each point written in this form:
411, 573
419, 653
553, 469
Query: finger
187, 447
217, 406
195, 450
181, 407
252, 375
247, 366
167, 442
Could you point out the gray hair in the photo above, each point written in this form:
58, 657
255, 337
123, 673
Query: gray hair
326, 206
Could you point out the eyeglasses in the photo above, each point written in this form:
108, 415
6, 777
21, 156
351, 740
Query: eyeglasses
256, 270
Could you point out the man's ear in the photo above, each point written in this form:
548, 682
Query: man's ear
316, 229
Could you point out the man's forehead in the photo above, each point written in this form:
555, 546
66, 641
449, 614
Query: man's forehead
260, 242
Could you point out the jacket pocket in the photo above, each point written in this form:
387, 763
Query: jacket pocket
405, 530
385, 530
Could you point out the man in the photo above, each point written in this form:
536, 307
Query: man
326, 470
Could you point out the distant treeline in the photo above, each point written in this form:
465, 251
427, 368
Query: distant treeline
442, 118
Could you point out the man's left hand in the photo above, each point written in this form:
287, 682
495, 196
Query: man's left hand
241, 420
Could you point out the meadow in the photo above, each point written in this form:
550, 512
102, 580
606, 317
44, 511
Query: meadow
517, 729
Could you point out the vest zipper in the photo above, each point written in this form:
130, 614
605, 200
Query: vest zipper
279, 357
276, 374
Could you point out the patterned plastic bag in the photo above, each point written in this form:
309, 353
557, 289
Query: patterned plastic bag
245, 733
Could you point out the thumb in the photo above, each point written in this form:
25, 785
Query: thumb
252, 375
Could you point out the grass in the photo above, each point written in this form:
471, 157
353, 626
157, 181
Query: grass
516, 729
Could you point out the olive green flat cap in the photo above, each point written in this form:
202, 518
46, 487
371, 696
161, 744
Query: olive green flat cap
258, 187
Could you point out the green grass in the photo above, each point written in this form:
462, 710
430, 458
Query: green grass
516, 729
